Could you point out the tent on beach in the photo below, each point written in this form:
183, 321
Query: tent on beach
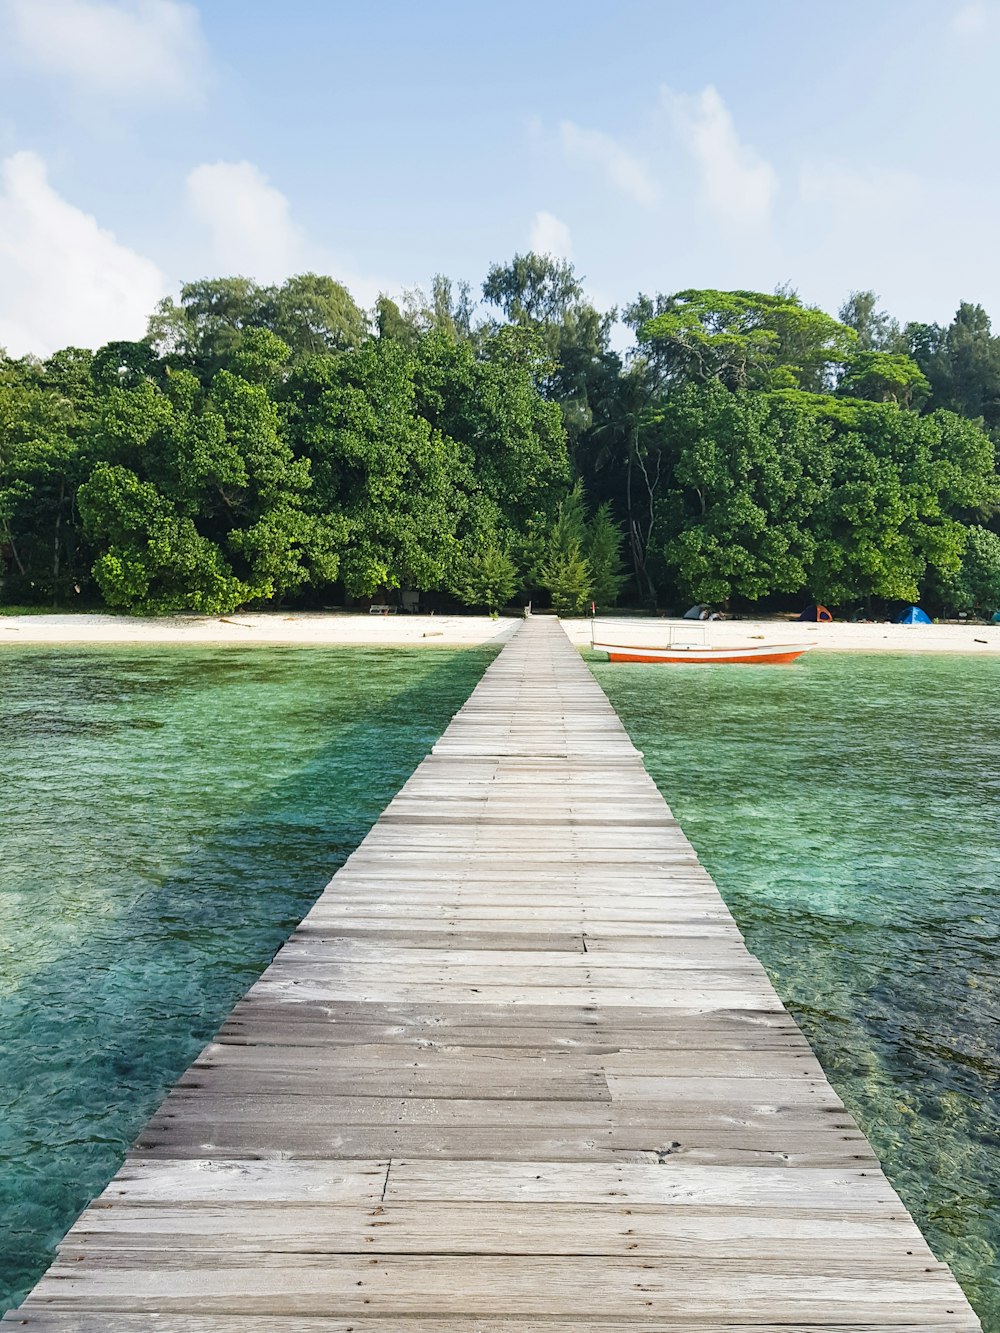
697, 612
913, 616
816, 613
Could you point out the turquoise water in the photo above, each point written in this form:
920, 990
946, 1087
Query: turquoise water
849, 810
166, 818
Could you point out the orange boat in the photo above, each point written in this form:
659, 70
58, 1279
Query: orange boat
702, 654
760, 654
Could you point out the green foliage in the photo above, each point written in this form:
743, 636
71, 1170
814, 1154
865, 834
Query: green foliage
46, 420
263, 441
534, 289
776, 493
155, 560
311, 314
488, 401
392, 324
386, 471
604, 557
877, 331
896, 486
482, 575
542, 294
566, 577
564, 571
747, 474
742, 339
961, 362
975, 585
886, 377
199, 503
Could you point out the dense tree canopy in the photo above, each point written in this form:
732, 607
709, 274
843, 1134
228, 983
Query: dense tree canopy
743, 340
268, 443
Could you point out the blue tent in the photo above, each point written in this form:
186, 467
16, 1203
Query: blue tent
913, 616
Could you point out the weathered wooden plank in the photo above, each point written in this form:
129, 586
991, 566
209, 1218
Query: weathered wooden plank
512, 1228
737, 1114
526, 1285
698, 953
200, 1181
674, 1183
55, 1322
510, 1143
445, 1054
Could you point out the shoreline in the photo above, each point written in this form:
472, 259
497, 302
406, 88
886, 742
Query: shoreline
362, 630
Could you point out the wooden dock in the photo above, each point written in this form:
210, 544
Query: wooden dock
515, 1072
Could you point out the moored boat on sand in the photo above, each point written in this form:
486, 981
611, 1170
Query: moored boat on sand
681, 650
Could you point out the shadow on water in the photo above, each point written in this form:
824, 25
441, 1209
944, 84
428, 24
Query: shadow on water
169, 816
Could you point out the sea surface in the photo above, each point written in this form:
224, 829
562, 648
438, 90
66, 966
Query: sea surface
167, 816
848, 807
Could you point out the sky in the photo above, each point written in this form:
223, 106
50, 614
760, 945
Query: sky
659, 145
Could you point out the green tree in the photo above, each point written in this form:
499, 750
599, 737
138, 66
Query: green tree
742, 340
543, 294
155, 560
975, 585
392, 325
533, 289
961, 362
46, 424
198, 502
486, 397
885, 377
482, 574
604, 557
204, 330
312, 314
899, 487
876, 330
746, 472
395, 481
205, 327
564, 571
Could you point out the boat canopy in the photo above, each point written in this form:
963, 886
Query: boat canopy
816, 613
913, 615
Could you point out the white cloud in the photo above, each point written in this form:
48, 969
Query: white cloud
65, 280
145, 50
251, 231
737, 183
626, 172
249, 221
549, 236
974, 20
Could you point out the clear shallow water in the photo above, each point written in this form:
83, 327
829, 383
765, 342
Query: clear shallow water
166, 818
849, 810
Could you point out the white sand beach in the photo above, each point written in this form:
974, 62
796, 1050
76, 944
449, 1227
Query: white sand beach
275, 627
833, 637
361, 629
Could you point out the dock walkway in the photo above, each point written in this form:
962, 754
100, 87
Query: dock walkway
515, 1072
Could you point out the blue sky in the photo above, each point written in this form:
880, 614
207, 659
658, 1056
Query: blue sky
660, 144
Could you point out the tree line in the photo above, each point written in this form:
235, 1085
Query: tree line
279, 444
